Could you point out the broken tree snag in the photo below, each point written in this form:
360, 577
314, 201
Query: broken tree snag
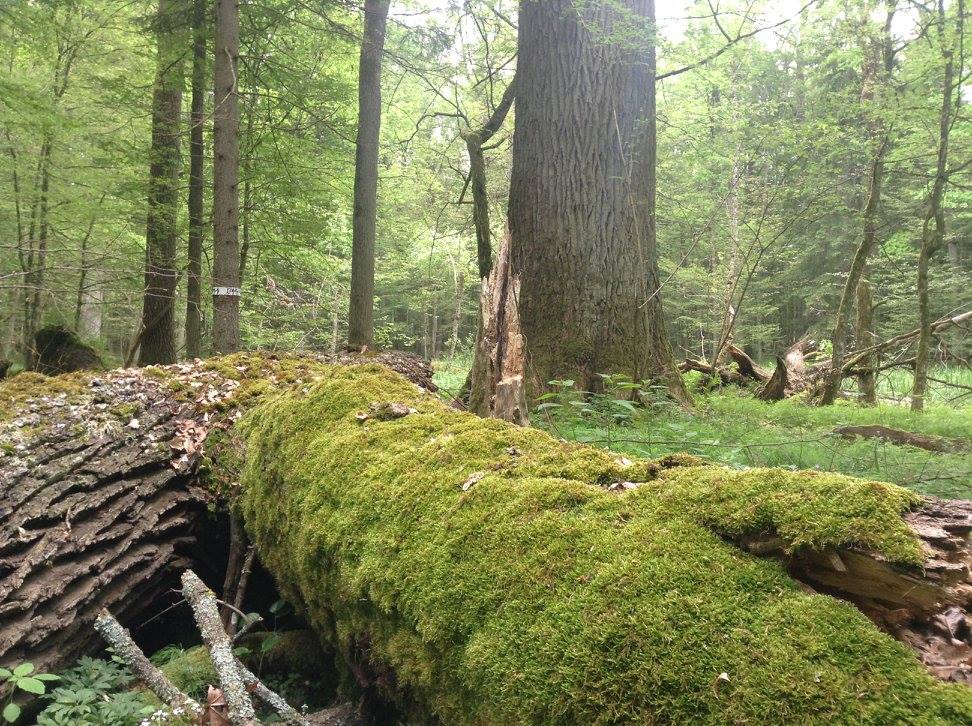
121, 641
747, 366
897, 436
790, 375
498, 389
776, 387
470, 571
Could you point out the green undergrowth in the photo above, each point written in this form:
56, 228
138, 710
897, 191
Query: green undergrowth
492, 570
732, 427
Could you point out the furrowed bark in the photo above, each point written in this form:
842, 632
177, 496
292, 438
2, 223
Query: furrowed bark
100, 502
92, 515
157, 335
582, 196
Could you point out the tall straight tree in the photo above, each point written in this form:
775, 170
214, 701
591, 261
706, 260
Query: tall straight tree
157, 335
361, 326
875, 84
196, 182
226, 176
582, 194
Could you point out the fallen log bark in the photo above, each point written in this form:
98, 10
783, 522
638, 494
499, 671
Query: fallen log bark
472, 570
897, 436
481, 573
102, 501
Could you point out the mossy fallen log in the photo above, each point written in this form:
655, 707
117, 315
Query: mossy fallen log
476, 572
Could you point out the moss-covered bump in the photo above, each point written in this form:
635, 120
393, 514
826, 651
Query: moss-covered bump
502, 585
18, 389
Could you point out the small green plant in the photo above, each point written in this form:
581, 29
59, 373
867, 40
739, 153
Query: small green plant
94, 692
23, 678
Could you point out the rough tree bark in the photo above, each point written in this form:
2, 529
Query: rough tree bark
157, 337
197, 221
933, 228
581, 208
226, 178
361, 330
878, 67
866, 380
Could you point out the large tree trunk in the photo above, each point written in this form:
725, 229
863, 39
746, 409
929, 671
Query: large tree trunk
197, 117
157, 336
226, 178
878, 66
933, 229
582, 191
361, 326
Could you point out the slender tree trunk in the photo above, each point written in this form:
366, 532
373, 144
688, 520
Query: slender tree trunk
459, 282
196, 183
335, 320
733, 262
878, 66
33, 259
226, 174
865, 337
361, 331
582, 195
933, 229
162, 233
477, 179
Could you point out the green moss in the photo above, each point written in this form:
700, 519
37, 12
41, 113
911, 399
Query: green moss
501, 586
807, 508
22, 387
191, 671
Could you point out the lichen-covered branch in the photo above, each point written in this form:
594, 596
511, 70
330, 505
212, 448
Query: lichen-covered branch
118, 638
204, 608
287, 712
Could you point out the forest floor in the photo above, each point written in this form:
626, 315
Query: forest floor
730, 426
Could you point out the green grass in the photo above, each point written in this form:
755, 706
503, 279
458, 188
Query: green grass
731, 427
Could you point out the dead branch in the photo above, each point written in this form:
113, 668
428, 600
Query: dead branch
120, 639
203, 603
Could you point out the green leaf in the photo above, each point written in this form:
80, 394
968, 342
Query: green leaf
11, 713
47, 677
31, 685
4, 673
24, 669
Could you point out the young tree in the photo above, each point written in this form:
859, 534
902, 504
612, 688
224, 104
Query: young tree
196, 183
582, 194
157, 334
876, 81
361, 317
933, 228
226, 174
